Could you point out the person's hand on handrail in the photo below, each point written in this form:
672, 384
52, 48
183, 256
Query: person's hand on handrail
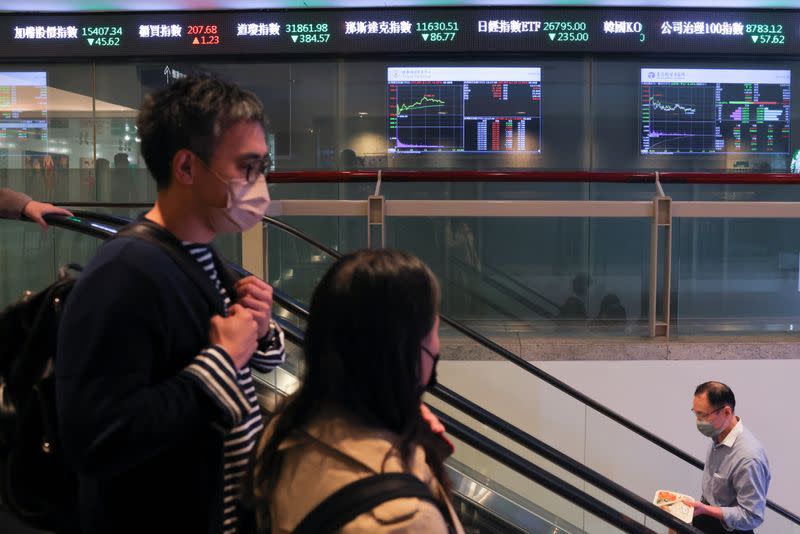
36, 211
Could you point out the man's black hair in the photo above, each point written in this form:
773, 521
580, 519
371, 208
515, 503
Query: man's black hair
718, 394
191, 113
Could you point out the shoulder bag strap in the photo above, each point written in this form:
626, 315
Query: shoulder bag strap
360, 497
153, 233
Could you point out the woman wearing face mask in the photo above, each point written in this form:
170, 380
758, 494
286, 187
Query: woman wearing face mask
371, 349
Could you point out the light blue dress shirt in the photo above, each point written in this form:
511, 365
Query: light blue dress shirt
736, 478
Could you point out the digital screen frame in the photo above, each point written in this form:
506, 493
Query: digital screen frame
23, 106
478, 109
687, 111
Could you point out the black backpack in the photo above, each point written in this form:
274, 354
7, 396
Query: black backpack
35, 484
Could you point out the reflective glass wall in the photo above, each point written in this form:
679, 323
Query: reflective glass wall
553, 275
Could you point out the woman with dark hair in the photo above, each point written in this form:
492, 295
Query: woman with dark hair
371, 348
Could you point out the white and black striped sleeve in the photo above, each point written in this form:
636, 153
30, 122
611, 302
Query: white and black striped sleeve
214, 370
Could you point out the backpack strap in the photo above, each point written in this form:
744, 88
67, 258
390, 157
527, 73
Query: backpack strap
149, 231
360, 497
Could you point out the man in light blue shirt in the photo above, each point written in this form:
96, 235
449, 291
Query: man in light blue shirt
736, 475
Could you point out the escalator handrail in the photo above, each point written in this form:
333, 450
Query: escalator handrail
511, 279
520, 362
558, 458
103, 229
102, 217
336, 254
535, 473
100, 230
506, 291
526, 440
544, 478
572, 392
289, 229
539, 447
546, 377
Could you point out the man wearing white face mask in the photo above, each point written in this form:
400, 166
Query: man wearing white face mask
156, 404
736, 475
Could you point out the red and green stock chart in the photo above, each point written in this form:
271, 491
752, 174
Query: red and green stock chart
464, 109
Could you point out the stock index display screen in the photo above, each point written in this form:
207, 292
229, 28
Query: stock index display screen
389, 30
702, 111
23, 106
464, 109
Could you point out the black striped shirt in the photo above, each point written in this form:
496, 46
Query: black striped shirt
234, 391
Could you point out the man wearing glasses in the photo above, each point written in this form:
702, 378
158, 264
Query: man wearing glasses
736, 475
156, 403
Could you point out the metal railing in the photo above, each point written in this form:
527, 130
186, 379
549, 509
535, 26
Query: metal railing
417, 176
377, 210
